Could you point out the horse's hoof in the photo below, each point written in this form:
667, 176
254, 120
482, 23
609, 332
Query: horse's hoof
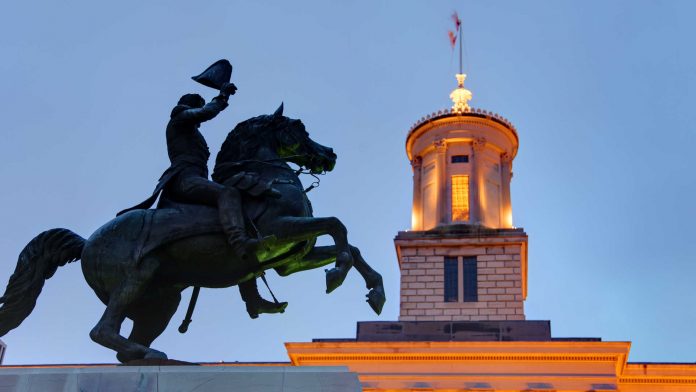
154, 354
334, 278
376, 299
125, 358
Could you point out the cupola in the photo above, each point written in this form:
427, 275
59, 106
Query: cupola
462, 166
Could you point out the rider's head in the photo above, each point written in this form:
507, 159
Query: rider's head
192, 100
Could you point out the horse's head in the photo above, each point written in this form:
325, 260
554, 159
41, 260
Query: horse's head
292, 143
283, 137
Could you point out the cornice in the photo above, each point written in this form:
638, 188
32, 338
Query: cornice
472, 116
580, 361
298, 359
674, 380
472, 112
420, 353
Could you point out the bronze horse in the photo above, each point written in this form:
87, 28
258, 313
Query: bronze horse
139, 263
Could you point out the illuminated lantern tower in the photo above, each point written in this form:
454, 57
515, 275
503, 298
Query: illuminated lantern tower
462, 259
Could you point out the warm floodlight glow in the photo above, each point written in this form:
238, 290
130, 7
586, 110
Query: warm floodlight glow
460, 198
415, 219
508, 219
460, 96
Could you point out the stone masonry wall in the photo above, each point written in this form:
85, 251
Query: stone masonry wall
499, 283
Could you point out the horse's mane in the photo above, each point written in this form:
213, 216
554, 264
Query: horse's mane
243, 141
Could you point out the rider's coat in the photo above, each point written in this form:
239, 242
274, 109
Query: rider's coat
186, 146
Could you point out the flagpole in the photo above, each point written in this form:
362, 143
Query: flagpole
460, 49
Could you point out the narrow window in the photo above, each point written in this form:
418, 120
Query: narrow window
460, 158
470, 279
460, 198
451, 279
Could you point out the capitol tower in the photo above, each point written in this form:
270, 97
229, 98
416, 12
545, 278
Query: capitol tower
462, 260
462, 325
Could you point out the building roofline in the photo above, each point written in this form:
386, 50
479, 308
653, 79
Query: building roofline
472, 112
453, 114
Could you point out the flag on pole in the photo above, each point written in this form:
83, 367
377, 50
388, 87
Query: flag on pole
457, 21
457, 25
452, 38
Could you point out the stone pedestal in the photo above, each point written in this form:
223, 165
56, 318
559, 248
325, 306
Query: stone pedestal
111, 378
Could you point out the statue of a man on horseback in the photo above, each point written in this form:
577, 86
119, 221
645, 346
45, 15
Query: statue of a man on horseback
186, 180
139, 262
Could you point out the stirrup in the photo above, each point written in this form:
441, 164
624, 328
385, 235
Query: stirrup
263, 306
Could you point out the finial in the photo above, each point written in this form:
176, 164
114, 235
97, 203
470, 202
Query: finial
460, 96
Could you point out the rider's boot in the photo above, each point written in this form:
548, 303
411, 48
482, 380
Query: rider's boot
232, 220
256, 305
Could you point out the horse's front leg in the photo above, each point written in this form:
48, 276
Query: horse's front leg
373, 280
296, 229
320, 256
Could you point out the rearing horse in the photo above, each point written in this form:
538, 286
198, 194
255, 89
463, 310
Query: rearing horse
139, 263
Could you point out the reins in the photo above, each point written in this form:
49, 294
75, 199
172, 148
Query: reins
269, 162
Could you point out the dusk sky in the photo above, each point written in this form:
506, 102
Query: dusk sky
601, 94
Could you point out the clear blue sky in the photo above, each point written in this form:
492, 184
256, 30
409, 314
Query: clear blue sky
602, 94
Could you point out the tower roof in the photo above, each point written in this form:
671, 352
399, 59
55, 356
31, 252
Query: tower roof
453, 114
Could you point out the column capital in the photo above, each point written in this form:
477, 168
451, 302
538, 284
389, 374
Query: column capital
478, 143
417, 161
440, 145
505, 158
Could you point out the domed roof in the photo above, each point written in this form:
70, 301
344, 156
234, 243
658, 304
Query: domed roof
469, 113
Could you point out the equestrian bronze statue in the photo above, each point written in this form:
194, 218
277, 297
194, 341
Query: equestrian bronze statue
186, 180
139, 262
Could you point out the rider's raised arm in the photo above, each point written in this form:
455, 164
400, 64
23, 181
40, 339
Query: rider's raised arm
207, 112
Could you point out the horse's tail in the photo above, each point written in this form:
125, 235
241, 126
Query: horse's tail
38, 261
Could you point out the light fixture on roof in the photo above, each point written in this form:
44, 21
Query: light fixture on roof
460, 96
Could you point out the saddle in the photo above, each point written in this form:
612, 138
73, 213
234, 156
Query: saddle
172, 221
164, 225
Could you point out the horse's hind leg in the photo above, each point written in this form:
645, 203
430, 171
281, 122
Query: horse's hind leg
107, 330
151, 315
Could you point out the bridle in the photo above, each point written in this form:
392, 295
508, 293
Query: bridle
271, 162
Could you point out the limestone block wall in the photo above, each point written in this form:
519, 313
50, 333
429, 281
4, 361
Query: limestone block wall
500, 278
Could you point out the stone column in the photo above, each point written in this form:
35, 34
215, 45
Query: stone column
441, 149
505, 176
417, 209
476, 182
